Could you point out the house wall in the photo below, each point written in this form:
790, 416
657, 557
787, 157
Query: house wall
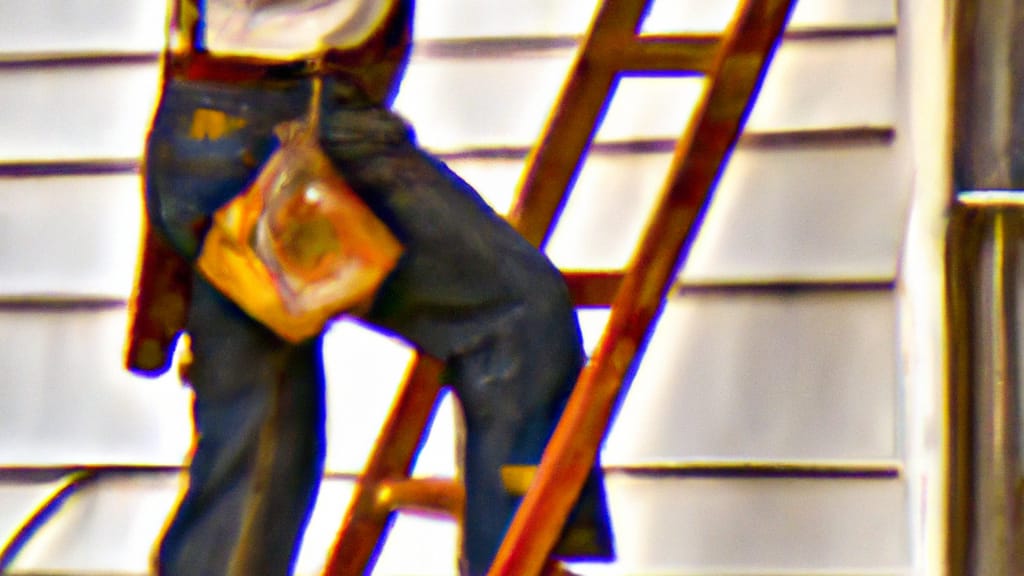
795, 341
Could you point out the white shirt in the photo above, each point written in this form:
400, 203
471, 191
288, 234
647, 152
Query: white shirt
288, 29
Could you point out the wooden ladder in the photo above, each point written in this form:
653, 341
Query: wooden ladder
733, 63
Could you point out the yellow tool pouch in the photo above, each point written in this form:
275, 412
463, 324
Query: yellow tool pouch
298, 247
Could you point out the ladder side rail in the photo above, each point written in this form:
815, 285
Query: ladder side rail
366, 522
699, 160
553, 165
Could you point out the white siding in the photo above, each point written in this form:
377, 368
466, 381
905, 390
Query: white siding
670, 527
803, 372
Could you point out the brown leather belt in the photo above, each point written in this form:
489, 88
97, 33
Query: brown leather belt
204, 66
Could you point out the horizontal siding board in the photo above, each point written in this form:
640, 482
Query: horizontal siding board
766, 377
81, 26
829, 13
825, 212
69, 236
822, 83
55, 113
715, 383
829, 212
757, 527
673, 16
496, 18
606, 213
690, 526
830, 82
81, 112
130, 26
65, 398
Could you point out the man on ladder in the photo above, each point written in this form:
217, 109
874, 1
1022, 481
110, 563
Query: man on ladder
468, 290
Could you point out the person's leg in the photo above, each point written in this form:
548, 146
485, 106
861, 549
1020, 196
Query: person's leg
258, 406
469, 289
288, 469
513, 387
258, 413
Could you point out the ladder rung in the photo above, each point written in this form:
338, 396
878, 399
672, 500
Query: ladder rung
517, 478
678, 54
438, 495
593, 289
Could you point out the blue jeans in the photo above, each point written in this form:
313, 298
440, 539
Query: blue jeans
468, 290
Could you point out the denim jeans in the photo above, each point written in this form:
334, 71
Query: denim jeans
468, 290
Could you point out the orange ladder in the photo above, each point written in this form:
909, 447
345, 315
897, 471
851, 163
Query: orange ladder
734, 63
